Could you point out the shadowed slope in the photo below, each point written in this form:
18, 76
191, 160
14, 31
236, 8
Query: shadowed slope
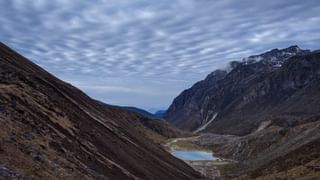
52, 130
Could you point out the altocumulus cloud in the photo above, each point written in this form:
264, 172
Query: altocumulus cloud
142, 52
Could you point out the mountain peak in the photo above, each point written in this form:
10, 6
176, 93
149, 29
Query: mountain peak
289, 51
276, 57
292, 48
217, 73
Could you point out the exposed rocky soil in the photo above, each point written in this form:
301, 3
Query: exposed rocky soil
273, 152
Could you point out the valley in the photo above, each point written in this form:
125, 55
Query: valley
256, 156
198, 157
159, 90
258, 121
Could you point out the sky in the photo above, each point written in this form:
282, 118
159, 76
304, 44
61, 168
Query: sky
144, 53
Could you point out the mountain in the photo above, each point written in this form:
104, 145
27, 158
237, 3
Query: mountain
154, 110
263, 113
136, 110
185, 112
51, 130
140, 111
160, 113
156, 129
279, 87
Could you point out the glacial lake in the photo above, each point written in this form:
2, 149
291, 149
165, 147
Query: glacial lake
193, 155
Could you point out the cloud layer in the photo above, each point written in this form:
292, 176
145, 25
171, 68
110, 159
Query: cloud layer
143, 53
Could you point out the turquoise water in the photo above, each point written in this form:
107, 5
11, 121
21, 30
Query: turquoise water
193, 155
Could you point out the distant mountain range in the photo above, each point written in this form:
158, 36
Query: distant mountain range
160, 113
51, 130
139, 111
154, 110
136, 110
157, 115
280, 86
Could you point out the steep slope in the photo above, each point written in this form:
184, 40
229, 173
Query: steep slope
51, 130
138, 111
156, 129
160, 113
277, 87
186, 111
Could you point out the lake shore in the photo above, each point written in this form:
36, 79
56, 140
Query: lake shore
207, 167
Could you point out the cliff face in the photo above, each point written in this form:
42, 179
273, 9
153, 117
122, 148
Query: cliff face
277, 87
190, 109
51, 130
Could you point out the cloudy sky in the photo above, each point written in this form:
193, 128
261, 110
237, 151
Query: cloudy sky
144, 53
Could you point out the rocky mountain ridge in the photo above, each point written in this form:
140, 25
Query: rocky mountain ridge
278, 85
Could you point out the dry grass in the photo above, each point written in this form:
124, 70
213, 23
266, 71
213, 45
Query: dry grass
187, 145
